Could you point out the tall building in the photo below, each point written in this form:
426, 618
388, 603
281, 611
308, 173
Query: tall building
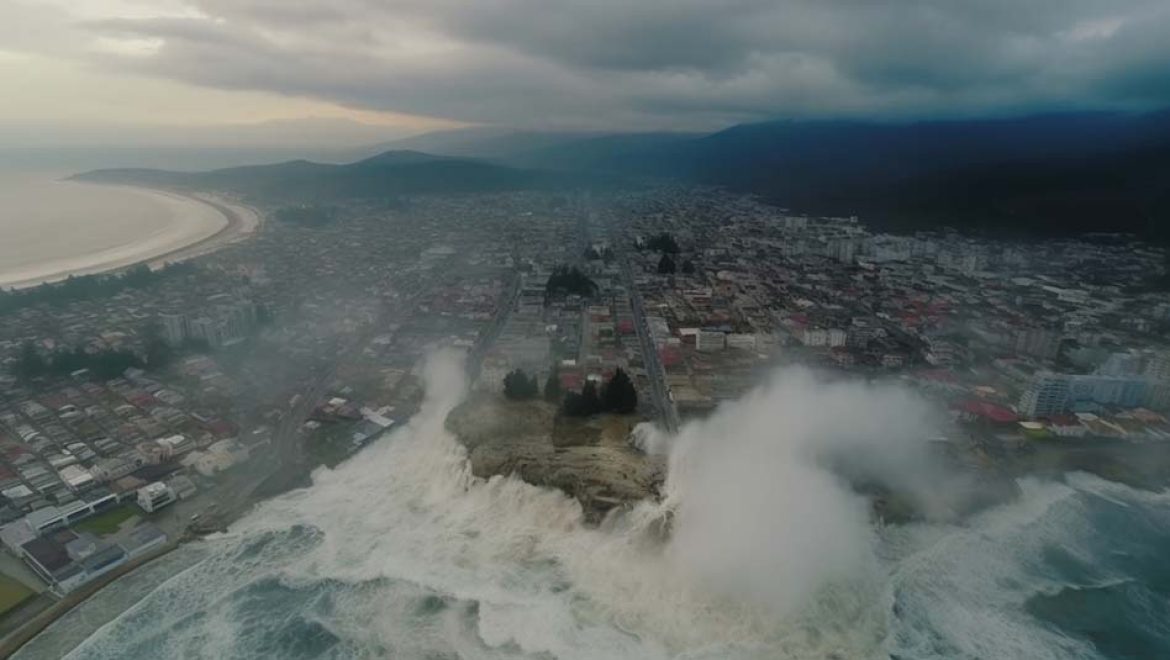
1046, 395
1050, 394
1121, 364
174, 328
1158, 368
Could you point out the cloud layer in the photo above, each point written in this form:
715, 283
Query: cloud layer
651, 63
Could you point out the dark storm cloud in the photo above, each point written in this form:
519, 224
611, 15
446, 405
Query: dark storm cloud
679, 63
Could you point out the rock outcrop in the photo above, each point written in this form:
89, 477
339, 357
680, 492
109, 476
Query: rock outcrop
589, 460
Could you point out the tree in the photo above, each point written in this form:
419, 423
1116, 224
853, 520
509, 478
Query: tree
619, 395
552, 388
663, 243
585, 404
688, 267
29, 364
565, 280
518, 386
590, 398
665, 265
158, 352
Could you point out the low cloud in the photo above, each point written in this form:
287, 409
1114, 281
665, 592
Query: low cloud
658, 63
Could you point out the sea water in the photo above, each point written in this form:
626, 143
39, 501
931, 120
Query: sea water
404, 554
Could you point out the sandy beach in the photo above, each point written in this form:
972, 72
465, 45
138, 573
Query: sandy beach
189, 225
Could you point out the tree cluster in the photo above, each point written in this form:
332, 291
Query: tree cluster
87, 287
105, 365
519, 386
566, 280
617, 396
663, 243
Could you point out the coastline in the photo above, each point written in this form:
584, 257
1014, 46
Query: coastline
286, 477
40, 621
239, 222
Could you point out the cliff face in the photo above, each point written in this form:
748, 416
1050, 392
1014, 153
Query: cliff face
589, 460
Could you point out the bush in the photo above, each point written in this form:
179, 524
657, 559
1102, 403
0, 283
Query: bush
566, 280
617, 396
519, 386
552, 388
665, 265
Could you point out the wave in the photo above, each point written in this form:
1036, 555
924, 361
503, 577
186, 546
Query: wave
403, 553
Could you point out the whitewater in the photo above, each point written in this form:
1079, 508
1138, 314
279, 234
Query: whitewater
401, 552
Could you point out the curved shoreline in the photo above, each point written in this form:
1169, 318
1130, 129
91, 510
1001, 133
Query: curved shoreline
240, 222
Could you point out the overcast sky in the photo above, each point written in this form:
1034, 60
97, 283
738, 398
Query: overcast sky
414, 65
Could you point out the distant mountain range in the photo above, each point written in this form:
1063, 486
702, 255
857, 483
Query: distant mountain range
1050, 174
387, 174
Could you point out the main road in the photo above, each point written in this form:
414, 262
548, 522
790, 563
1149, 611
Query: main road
655, 373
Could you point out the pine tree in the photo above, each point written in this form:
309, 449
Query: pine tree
552, 388
619, 395
591, 402
519, 386
665, 265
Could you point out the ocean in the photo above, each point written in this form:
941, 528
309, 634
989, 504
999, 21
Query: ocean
50, 228
402, 553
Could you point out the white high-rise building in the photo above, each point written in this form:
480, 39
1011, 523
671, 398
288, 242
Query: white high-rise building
1046, 395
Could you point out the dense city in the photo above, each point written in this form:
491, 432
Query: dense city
140, 412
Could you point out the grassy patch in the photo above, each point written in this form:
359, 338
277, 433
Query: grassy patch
108, 522
12, 593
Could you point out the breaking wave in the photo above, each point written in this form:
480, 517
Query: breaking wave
402, 553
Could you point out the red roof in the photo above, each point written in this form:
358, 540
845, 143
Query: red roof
669, 356
941, 375
988, 410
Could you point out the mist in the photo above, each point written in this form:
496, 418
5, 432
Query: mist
762, 492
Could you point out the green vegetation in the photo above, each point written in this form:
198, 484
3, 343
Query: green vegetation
617, 396
108, 522
663, 243
330, 444
552, 388
585, 404
89, 287
519, 386
12, 594
387, 176
567, 280
107, 364
666, 265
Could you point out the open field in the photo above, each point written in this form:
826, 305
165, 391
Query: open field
12, 593
108, 522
